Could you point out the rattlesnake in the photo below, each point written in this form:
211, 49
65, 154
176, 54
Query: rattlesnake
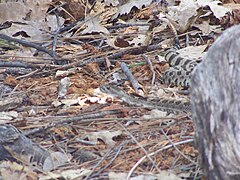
180, 72
168, 105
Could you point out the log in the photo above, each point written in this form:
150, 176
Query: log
215, 101
14, 145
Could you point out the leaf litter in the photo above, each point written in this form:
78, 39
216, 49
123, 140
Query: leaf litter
54, 100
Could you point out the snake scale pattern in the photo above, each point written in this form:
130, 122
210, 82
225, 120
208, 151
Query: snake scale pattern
179, 74
168, 105
180, 71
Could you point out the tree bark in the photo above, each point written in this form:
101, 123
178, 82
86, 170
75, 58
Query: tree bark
215, 101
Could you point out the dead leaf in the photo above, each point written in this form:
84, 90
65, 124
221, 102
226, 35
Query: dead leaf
61, 73
183, 13
215, 6
111, 42
32, 16
167, 175
111, 2
14, 171
93, 25
66, 174
74, 9
126, 8
63, 87
19, 13
115, 176
204, 27
55, 160
155, 113
75, 174
164, 175
138, 41
105, 136
70, 102
10, 80
193, 52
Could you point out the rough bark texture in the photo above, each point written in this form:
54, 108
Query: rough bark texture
215, 100
14, 145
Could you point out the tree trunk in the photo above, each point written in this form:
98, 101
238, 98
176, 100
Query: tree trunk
215, 100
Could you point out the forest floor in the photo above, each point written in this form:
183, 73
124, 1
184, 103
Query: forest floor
56, 55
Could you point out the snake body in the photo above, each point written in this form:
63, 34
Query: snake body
180, 71
178, 74
161, 104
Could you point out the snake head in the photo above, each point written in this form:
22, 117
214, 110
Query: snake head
112, 90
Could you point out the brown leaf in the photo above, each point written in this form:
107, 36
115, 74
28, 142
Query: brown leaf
33, 17
105, 136
10, 80
55, 160
126, 8
93, 25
